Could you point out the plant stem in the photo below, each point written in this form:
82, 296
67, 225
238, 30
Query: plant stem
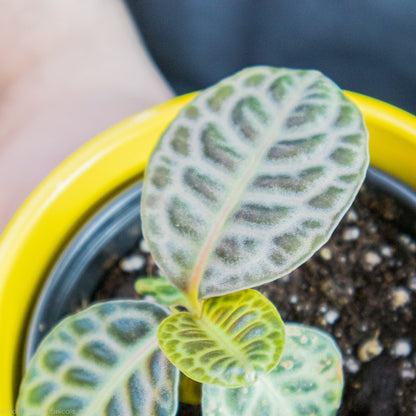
195, 305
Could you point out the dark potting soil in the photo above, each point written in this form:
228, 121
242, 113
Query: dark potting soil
360, 287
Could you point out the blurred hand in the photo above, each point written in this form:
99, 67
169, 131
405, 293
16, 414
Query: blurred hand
69, 69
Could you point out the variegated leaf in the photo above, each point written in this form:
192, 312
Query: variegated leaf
237, 338
160, 289
307, 382
103, 361
251, 178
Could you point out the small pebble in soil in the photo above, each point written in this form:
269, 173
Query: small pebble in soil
342, 258
407, 241
143, 246
325, 253
400, 297
132, 263
347, 350
370, 349
331, 316
401, 348
352, 365
407, 371
386, 251
351, 233
323, 307
412, 282
373, 228
372, 259
293, 299
351, 216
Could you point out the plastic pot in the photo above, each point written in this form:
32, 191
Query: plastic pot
63, 210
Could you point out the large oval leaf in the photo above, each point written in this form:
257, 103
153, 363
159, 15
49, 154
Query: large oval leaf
237, 338
251, 179
104, 360
307, 381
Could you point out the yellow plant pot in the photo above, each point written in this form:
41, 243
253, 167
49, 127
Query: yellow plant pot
62, 203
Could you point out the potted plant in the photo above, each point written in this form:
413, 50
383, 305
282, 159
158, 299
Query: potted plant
370, 127
246, 184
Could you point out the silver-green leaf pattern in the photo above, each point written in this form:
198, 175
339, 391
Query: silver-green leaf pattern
307, 382
103, 361
251, 178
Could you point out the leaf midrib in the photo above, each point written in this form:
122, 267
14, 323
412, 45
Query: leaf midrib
115, 382
276, 395
234, 198
217, 334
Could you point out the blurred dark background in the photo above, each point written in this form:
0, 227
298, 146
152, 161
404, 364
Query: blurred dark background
367, 46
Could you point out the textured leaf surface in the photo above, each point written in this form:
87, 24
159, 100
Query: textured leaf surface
160, 289
307, 382
104, 360
251, 178
238, 338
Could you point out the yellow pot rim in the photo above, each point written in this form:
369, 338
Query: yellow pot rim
66, 198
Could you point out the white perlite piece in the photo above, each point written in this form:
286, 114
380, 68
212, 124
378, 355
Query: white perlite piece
372, 258
351, 234
293, 299
323, 308
352, 216
132, 263
325, 253
412, 282
407, 371
370, 349
352, 365
143, 246
407, 241
401, 348
400, 297
331, 316
386, 251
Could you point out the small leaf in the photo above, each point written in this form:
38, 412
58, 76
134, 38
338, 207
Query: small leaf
104, 360
307, 381
252, 184
161, 289
238, 338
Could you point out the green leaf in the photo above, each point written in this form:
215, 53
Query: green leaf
160, 289
104, 360
307, 382
251, 179
237, 338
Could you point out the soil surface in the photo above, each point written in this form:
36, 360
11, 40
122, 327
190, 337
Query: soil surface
360, 287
